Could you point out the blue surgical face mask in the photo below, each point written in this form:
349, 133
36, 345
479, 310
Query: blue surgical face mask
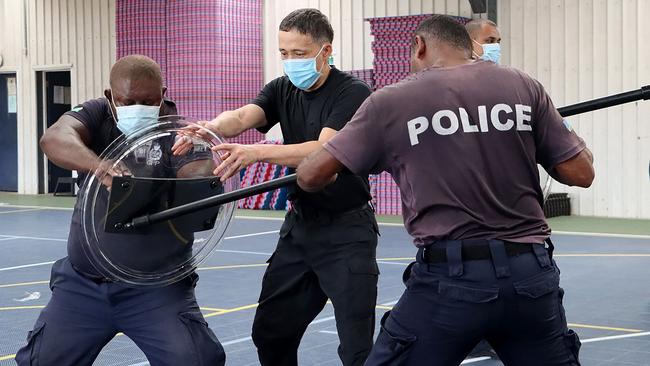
302, 72
131, 118
491, 52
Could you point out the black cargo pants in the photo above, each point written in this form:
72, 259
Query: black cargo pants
319, 257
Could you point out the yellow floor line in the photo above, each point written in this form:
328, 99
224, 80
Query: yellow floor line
217, 311
22, 307
24, 284
42, 306
211, 309
576, 325
17, 211
226, 311
234, 266
589, 326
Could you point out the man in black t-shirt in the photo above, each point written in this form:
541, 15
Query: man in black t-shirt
87, 310
328, 240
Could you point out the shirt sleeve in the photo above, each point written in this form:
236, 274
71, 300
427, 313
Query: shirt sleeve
168, 108
91, 114
267, 100
555, 140
346, 105
360, 145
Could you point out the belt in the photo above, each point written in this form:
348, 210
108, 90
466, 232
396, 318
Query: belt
315, 214
474, 252
92, 277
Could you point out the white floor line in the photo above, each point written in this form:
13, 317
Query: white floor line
259, 218
600, 339
329, 332
390, 303
56, 239
10, 237
241, 252
32, 238
576, 233
394, 263
253, 234
145, 363
476, 359
323, 320
466, 362
2, 204
235, 341
603, 235
21, 210
26, 266
245, 339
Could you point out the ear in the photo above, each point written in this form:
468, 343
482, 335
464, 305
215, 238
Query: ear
164, 90
108, 94
327, 51
420, 48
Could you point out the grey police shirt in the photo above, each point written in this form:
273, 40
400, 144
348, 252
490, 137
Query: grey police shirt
463, 144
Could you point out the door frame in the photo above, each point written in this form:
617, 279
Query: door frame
40, 77
15, 73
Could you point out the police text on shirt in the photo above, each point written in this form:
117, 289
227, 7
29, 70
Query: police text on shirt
447, 122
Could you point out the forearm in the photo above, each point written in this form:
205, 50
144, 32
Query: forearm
287, 155
69, 152
196, 168
577, 171
318, 170
229, 124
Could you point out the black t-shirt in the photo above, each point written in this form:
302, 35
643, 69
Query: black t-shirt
302, 115
96, 116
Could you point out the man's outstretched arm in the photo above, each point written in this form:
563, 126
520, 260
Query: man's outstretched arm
318, 170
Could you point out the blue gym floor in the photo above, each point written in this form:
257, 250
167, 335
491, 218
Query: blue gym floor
606, 278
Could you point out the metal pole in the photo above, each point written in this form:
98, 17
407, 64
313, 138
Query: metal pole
211, 202
605, 102
588, 106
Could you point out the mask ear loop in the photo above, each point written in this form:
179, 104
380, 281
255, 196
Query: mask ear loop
315, 57
112, 104
474, 54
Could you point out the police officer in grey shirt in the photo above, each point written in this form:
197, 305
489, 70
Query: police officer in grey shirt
462, 139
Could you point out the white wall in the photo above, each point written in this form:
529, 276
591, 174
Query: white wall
351, 33
75, 35
579, 49
586, 49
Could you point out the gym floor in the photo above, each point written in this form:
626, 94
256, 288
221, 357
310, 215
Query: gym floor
605, 274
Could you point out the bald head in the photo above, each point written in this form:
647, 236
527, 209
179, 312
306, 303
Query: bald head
483, 31
135, 79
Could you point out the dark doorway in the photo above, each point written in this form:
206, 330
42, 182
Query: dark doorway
8, 133
53, 96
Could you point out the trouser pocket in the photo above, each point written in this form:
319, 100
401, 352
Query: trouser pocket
393, 344
206, 346
573, 344
30, 354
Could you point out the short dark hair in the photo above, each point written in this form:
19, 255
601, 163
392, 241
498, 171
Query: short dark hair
311, 22
475, 25
446, 29
135, 67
